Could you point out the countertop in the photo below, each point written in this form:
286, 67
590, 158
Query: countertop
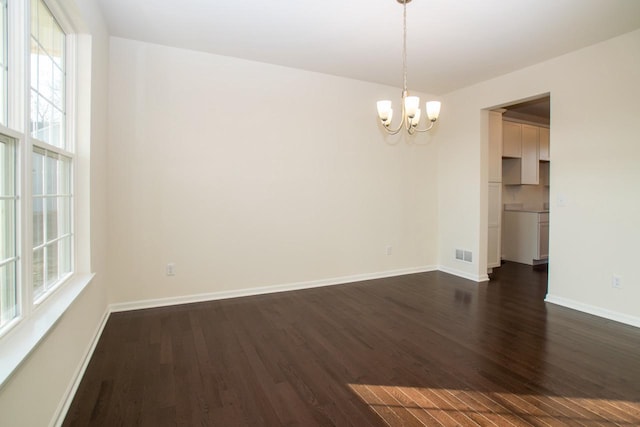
527, 210
517, 207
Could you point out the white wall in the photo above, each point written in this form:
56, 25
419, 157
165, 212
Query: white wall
37, 390
249, 175
595, 156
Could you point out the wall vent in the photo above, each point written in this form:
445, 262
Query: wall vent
462, 255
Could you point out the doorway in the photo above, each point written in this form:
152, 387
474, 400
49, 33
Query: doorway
519, 182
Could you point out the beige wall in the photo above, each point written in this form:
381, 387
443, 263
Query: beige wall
595, 157
250, 175
35, 393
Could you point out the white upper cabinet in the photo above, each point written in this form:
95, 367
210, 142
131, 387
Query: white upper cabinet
511, 140
544, 144
520, 139
530, 167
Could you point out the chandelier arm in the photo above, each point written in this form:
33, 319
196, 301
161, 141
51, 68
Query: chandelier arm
433, 122
393, 132
402, 122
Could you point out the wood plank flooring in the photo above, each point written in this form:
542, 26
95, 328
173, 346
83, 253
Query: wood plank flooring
425, 349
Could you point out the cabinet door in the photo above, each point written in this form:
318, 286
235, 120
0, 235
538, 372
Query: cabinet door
544, 173
543, 240
530, 166
511, 139
544, 144
495, 225
495, 146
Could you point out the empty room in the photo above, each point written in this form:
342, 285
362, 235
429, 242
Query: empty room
364, 212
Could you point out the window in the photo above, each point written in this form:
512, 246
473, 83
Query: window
51, 183
4, 66
51, 162
8, 254
47, 77
41, 273
36, 209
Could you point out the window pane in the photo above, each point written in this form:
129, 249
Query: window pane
52, 218
44, 117
33, 111
38, 272
3, 30
38, 221
52, 264
35, 64
8, 294
52, 213
4, 89
46, 81
57, 128
7, 229
51, 173
57, 86
64, 254
47, 77
8, 232
45, 27
7, 163
34, 18
37, 172
64, 216
64, 177
58, 52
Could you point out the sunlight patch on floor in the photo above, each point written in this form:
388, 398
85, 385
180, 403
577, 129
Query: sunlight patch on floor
406, 406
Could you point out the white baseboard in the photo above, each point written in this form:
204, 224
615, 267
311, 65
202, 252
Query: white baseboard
63, 408
186, 299
464, 275
596, 311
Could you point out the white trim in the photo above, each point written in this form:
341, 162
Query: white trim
464, 275
65, 403
19, 342
596, 311
186, 299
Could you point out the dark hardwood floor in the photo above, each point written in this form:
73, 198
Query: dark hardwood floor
423, 349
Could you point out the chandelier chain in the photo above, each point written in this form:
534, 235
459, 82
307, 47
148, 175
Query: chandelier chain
404, 48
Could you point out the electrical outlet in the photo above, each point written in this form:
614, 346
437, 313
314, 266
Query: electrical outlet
171, 269
616, 282
389, 250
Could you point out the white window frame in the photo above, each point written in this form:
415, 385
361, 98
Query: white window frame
5, 108
36, 318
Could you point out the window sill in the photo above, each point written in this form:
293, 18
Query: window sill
24, 337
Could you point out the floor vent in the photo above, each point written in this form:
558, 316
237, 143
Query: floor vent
462, 255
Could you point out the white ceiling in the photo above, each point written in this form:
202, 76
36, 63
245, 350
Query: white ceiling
451, 43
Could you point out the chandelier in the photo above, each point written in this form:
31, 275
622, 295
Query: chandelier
410, 104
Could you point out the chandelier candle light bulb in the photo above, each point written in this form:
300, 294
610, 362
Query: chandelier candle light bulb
411, 105
384, 110
411, 113
433, 110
